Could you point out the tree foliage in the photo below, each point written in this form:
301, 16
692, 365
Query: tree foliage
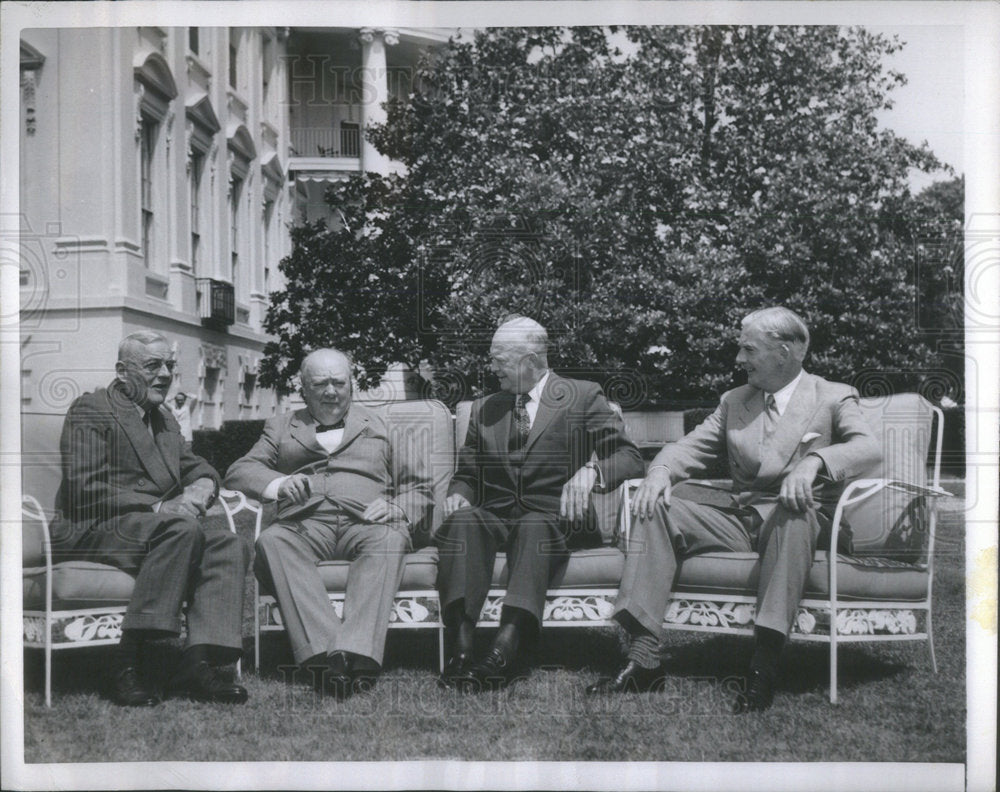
637, 190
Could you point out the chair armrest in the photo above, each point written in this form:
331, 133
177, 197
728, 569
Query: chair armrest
862, 489
241, 502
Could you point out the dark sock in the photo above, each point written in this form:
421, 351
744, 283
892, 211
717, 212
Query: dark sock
459, 629
126, 653
516, 625
767, 650
507, 639
465, 637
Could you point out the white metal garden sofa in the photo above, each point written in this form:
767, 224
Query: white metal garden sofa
882, 592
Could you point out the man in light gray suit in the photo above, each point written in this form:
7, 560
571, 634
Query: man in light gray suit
791, 439
344, 492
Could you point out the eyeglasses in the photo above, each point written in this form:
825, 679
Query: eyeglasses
154, 366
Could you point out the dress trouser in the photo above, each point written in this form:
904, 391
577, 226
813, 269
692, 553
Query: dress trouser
177, 558
786, 542
287, 554
468, 542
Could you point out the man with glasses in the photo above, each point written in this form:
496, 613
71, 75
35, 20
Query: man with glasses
133, 496
532, 456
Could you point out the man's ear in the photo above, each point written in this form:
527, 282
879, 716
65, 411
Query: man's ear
120, 371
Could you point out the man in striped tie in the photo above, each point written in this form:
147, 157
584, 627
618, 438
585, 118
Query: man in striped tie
532, 455
790, 439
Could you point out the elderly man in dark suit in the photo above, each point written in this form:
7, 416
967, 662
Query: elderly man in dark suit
532, 456
790, 439
344, 491
132, 495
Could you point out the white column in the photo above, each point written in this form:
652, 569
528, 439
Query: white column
375, 91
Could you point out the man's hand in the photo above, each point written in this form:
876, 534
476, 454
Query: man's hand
575, 501
656, 485
455, 502
796, 490
295, 488
193, 501
381, 511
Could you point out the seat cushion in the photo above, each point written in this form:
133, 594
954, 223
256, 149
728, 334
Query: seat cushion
78, 584
600, 567
419, 571
857, 578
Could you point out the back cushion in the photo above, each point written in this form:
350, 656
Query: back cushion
893, 523
424, 430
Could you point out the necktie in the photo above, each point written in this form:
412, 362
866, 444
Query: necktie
522, 424
329, 427
147, 419
771, 416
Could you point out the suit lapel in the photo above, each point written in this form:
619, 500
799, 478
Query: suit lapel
303, 429
169, 444
551, 401
779, 449
745, 429
124, 412
354, 424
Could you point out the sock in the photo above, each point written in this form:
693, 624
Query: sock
515, 624
645, 649
126, 653
767, 650
507, 640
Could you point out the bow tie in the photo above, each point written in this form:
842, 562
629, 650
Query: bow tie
329, 427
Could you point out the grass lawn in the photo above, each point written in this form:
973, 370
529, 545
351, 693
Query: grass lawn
892, 707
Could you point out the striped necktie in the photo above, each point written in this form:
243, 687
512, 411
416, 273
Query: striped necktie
522, 424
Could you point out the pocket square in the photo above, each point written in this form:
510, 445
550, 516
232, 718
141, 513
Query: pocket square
808, 437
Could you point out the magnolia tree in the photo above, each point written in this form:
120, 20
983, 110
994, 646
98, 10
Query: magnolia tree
636, 190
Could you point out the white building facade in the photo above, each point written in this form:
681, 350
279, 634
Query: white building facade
160, 172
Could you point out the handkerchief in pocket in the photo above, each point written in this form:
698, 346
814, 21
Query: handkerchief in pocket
808, 437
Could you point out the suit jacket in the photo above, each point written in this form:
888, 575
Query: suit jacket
822, 418
113, 468
369, 463
574, 421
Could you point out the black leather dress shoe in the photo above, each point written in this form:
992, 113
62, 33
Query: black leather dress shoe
495, 671
631, 678
202, 682
128, 690
457, 671
335, 680
758, 696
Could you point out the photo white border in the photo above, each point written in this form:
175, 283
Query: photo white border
981, 21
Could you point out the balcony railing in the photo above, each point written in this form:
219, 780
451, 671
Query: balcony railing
216, 303
326, 141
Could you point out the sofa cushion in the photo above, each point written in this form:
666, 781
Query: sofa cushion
600, 567
78, 584
419, 571
857, 578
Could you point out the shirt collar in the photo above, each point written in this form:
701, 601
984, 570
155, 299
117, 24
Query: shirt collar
783, 396
536, 392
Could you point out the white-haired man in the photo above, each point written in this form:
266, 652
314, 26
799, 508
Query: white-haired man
522, 484
790, 439
132, 495
344, 492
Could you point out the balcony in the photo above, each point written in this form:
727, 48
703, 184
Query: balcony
216, 303
326, 148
